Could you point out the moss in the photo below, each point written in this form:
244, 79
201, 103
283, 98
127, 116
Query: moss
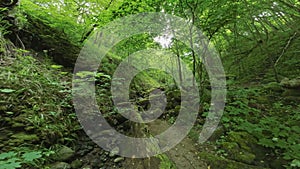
220, 162
21, 137
291, 92
243, 139
237, 154
217, 133
40, 36
261, 99
291, 84
165, 162
273, 86
290, 99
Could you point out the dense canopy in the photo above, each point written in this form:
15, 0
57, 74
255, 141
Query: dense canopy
257, 42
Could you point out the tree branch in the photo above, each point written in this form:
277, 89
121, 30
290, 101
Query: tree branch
285, 48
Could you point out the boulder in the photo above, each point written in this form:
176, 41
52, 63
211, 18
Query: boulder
291, 83
76, 164
273, 87
291, 92
219, 162
236, 153
242, 147
60, 165
64, 153
118, 159
40, 36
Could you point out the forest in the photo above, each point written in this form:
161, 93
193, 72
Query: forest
150, 84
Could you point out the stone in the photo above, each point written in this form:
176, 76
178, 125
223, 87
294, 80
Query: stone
291, 92
64, 153
119, 159
217, 133
220, 162
236, 153
86, 167
291, 84
289, 99
76, 164
273, 86
114, 151
243, 139
95, 163
60, 165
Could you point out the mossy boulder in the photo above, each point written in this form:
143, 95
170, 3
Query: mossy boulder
219, 162
238, 154
290, 99
242, 147
262, 99
40, 36
243, 139
217, 133
291, 83
60, 165
291, 92
273, 87
64, 153
76, 163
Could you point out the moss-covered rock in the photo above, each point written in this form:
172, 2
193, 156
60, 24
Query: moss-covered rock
64, 153
219, 162
273, 86
76, 164
236, 153
291, 99
261, 99
40, 36
60, 165
217, 133
291, 92
243, 139
291, 83
242, 147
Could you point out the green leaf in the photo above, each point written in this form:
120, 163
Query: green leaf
30, 156
266, 142
11, 165
10, 113
7, 155
98, 75
12, 160
296, 129
295, 163
56, 66
84, 74
7, 90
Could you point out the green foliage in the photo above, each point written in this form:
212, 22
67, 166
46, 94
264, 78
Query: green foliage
34, 97
279, 132
58, 20
56, 66
277, 129
7, 90
256, 39
23, 157
4, 24
237, 110
165, 162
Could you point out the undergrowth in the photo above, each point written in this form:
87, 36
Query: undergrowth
273, 123
35, 108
